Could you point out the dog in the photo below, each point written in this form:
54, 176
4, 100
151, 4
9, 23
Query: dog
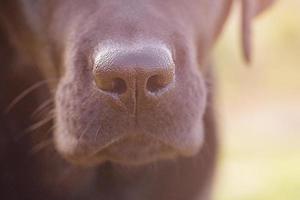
125, 93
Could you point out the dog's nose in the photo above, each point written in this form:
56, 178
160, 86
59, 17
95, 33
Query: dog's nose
127, 70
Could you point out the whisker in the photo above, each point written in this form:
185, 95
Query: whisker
24, 94
97, 133
39, 147
50, 130
86, 129
45, 143
41, 107
39, 124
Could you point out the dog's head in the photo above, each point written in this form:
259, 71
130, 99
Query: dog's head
132, 73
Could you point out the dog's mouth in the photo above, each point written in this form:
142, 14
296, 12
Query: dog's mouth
135, 150
125, 142
129, 150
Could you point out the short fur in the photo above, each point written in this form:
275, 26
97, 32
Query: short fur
147, 146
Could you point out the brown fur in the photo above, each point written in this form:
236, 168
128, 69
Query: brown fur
131, 145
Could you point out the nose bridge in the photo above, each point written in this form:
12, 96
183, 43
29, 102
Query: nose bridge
135, 70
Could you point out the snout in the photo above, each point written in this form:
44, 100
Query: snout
128, 73
133, 103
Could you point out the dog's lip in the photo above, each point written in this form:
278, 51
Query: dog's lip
104, 151
108, 145
142, 159
93, 151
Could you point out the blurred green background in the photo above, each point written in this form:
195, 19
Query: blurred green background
259, 108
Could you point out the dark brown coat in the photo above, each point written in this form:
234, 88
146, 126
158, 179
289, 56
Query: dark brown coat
125, 93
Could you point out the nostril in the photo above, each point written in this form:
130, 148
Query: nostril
157, 82
112, 85
118, 86
154, 83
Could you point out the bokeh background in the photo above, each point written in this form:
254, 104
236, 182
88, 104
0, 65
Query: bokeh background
259, 108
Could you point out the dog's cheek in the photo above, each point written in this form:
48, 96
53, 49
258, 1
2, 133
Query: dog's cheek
64, 142
69, 112
192, 103
191, 108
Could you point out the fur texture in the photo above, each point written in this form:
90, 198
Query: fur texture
151, 135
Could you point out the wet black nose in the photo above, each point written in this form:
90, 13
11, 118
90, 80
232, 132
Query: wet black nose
145, 70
